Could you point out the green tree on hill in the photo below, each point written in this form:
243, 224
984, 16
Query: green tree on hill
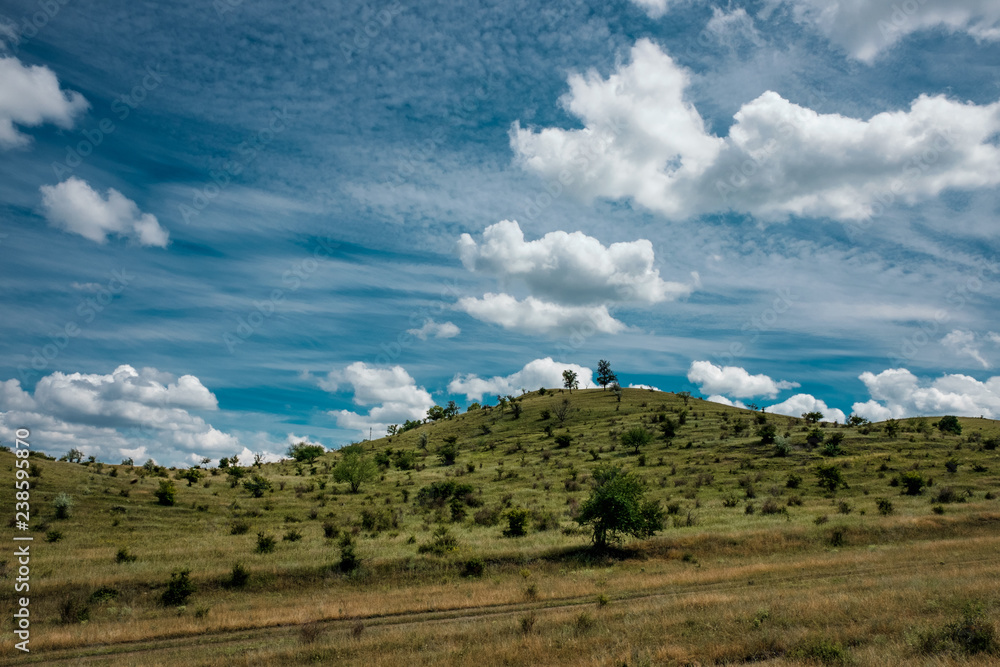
355, 469
305, 453
605, 375
617, 507
950, 424
570, 380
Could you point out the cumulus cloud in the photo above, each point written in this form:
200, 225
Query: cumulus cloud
119, 414
644, 140
393, 393
572, 279
965, 343
800, 404
734, 381
718, 398
75, 207
535, 375
432, 329
656, 8
733, 29
31, 96
644, 386
898, 393
534, 316
866, 29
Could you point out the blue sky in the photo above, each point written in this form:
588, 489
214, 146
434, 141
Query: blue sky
227, 227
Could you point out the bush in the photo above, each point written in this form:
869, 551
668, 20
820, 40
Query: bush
913, 483
330, 530
349, 560
971, 635
617, 507
564, 440
238, 578
62, 505
950, 424
167, 494
793, 481
239, 527
265, 543
474, 567
292, 536
948, 495
885, 507
488, 516
517, 520
125, 556
74, 610
830, 478
179, 589
951, 465
53, 535
256, 485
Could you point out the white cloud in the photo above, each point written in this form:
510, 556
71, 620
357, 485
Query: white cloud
778, 159
535, 374
734, 28
964, 343
897, 393
867, 28
656, 8
538, 317
91, 411
30, 96
993, 337
800, 404
717, 398
644, 386
434, 329
572, 279
76, 207
734, 381
393, 393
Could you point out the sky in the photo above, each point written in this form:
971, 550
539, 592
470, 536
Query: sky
231, 226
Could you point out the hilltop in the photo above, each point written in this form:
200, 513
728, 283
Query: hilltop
415, 567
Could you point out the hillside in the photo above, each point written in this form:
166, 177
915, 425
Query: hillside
757, 561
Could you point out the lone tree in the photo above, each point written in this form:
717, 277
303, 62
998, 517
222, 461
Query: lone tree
305, 453
256, 485
812, 417
950, 424
605, 375
636, 437
192, 475
617, 507
569, 380
355, 469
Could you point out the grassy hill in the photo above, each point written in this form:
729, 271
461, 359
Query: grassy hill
757, 562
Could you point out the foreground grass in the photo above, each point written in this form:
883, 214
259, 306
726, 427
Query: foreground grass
823, 578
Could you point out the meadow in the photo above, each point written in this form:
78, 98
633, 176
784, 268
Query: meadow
871, 544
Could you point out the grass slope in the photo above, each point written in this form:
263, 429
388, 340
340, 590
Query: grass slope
752, 567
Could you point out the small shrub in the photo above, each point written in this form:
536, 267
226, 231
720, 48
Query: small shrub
843, 507
948, 495
517, 520
793, 481
167, 493
442, 543
885, 507
474, 567
239, 527
125, 556
53, 535
292, 536
349, 561
584, 622
238, 577
771, 506
103, 594
311, 632
330, 530
837, 537
74, 610
179, 589
488, 516
528, 623
62, 504
970, 635
913, 483
265, 543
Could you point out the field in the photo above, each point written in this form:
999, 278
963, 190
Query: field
758, 563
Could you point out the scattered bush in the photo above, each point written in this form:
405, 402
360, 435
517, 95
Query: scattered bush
349, 561
517, 520
442, 543
53, 535
265, 543
179, 589
913, 483
474, 567
125, 556
166, 494
238, 577
239, 527
970, 635
62, 504
885, 507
